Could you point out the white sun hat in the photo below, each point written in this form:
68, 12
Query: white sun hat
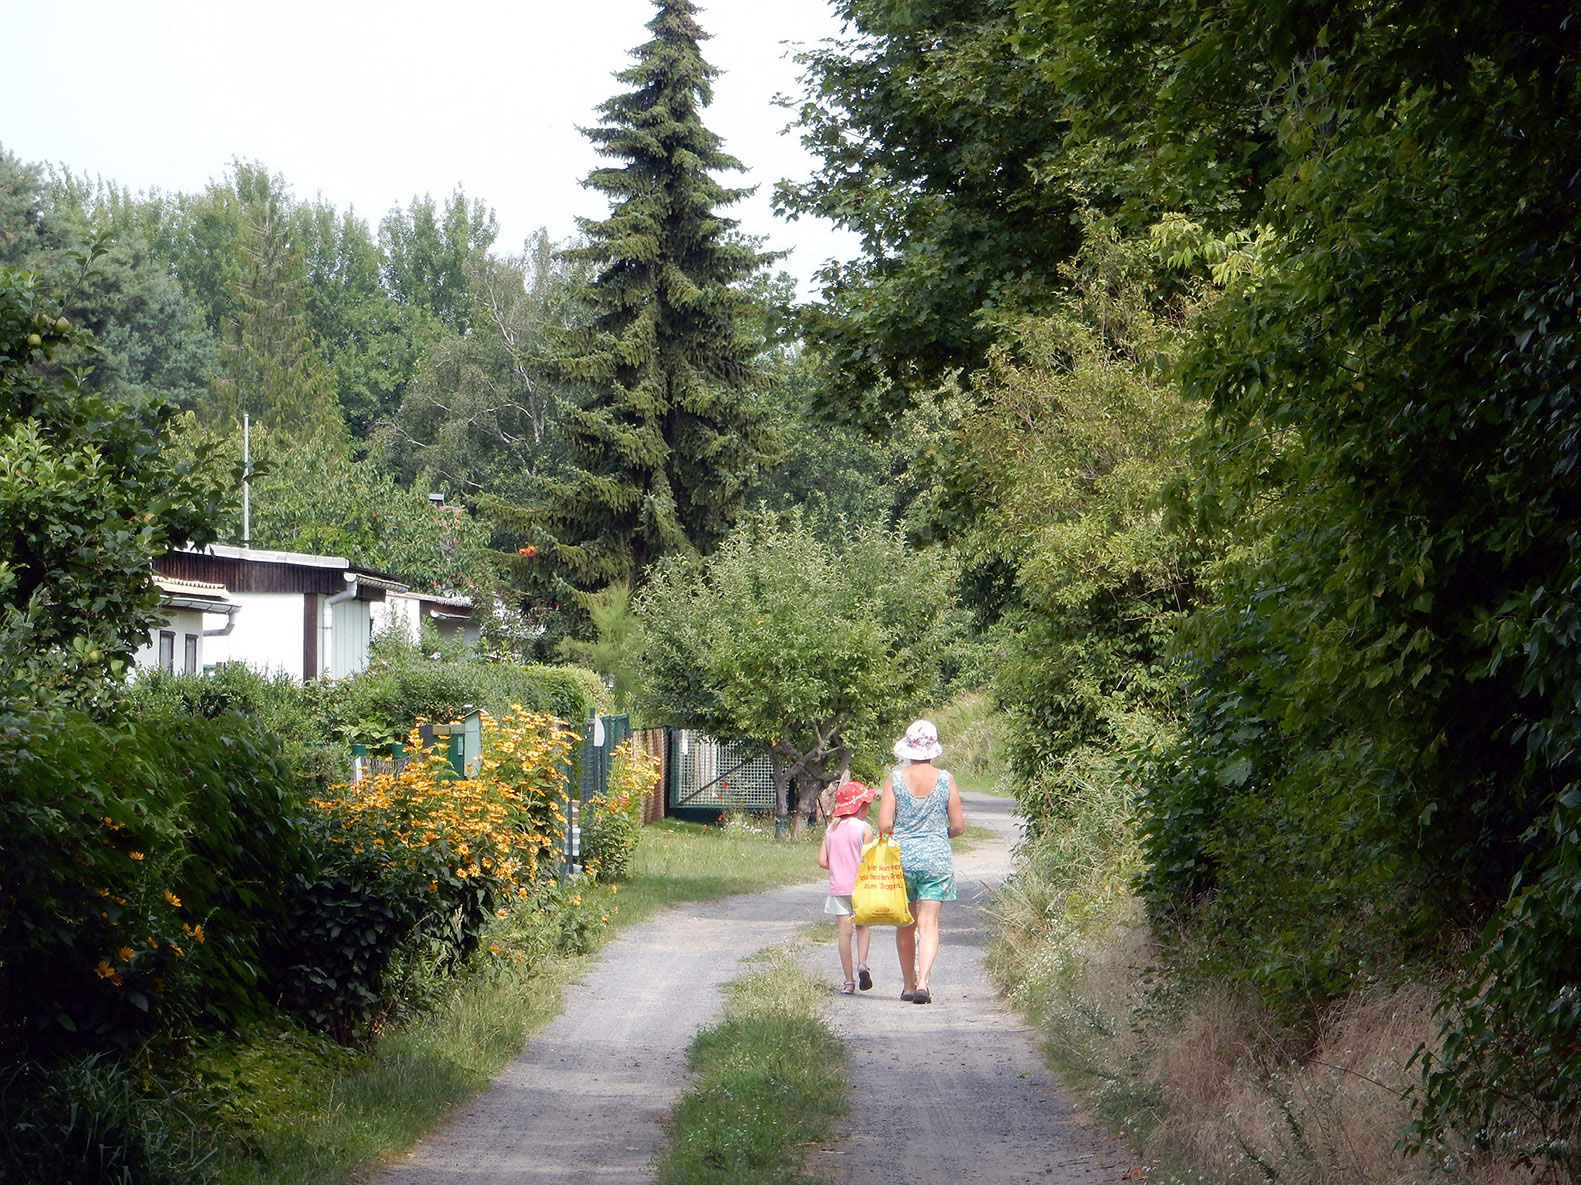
921, 742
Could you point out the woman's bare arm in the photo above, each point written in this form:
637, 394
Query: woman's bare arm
957, 819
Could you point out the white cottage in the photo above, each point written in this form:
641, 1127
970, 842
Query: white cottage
193, 612
296, 614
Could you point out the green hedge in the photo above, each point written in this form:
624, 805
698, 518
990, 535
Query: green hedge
377, 706
142, 855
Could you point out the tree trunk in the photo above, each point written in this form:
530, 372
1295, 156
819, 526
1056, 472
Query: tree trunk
782, 779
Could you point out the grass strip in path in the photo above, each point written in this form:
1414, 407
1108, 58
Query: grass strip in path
771, 1079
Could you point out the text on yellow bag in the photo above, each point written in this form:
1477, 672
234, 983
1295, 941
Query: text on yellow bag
879, 898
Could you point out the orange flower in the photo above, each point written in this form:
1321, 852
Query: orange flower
173, 899
527, 551
135, 855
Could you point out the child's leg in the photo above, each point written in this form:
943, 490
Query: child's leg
845, 946
862, 940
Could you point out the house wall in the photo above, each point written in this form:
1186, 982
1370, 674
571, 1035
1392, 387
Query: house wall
187, 626
268, 636
351, 629
398, 613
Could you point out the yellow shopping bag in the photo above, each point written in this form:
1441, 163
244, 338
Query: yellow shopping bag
879, 898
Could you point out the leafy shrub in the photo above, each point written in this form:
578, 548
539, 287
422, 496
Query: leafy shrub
612, 822
420, 858
404, 683
142, 855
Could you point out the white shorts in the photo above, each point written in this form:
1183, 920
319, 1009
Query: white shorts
838, 906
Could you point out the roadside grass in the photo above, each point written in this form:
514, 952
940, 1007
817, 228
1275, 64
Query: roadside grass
771, 1078
314, 1114
679, 861
970, 728
1198, 1078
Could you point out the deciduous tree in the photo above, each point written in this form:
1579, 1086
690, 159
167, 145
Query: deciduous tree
816, 652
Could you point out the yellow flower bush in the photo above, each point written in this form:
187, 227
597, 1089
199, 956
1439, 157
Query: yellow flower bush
612, 822
427, 857
496, 824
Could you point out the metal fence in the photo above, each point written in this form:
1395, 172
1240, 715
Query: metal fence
705, 777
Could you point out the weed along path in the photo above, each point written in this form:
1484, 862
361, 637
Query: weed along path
952, 1091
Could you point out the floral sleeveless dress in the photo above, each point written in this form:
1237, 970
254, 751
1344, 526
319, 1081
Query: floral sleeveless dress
922, 829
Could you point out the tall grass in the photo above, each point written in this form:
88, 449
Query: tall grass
970, 729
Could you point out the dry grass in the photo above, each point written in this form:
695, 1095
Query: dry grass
1202, 1083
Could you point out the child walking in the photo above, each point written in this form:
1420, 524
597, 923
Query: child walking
840, 854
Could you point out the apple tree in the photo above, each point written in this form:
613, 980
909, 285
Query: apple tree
816, 651
89, 495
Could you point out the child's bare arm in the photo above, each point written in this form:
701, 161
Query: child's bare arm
823, 852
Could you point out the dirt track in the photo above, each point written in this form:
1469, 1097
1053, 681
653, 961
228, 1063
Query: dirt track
947, 1092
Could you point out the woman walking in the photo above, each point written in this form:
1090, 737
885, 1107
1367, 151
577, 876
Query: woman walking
921, 807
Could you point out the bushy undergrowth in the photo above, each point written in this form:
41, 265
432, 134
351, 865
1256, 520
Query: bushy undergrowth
143, 857
1203, 1076
86, 1120
403, 683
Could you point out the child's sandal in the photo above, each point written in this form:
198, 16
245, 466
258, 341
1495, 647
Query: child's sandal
848, 988
864, 976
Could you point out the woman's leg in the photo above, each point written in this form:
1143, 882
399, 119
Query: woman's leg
845, 947
927, 915
906, 948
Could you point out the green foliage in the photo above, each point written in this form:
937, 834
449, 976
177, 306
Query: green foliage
668, 431
89, 494
817, 652
1061, 465
609, 836
478, 413
616, 652
269, 367
1377, 751
149, 335
378, 706
147, 894
940, 140
314, 498
611, 823
404, 683
1384, 699
429, 255
86, 1119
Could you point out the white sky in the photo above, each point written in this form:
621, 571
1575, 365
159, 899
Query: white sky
369, 103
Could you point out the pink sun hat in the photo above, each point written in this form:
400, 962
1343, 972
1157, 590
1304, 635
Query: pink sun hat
850, 799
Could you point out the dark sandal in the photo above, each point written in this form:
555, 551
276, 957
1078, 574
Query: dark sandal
921, 996
865, 977
908, 996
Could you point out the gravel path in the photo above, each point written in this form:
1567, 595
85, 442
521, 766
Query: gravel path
947, 1092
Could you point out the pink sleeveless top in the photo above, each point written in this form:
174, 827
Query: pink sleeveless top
844, 846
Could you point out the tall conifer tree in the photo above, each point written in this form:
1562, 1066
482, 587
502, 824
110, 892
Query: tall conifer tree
668, 433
